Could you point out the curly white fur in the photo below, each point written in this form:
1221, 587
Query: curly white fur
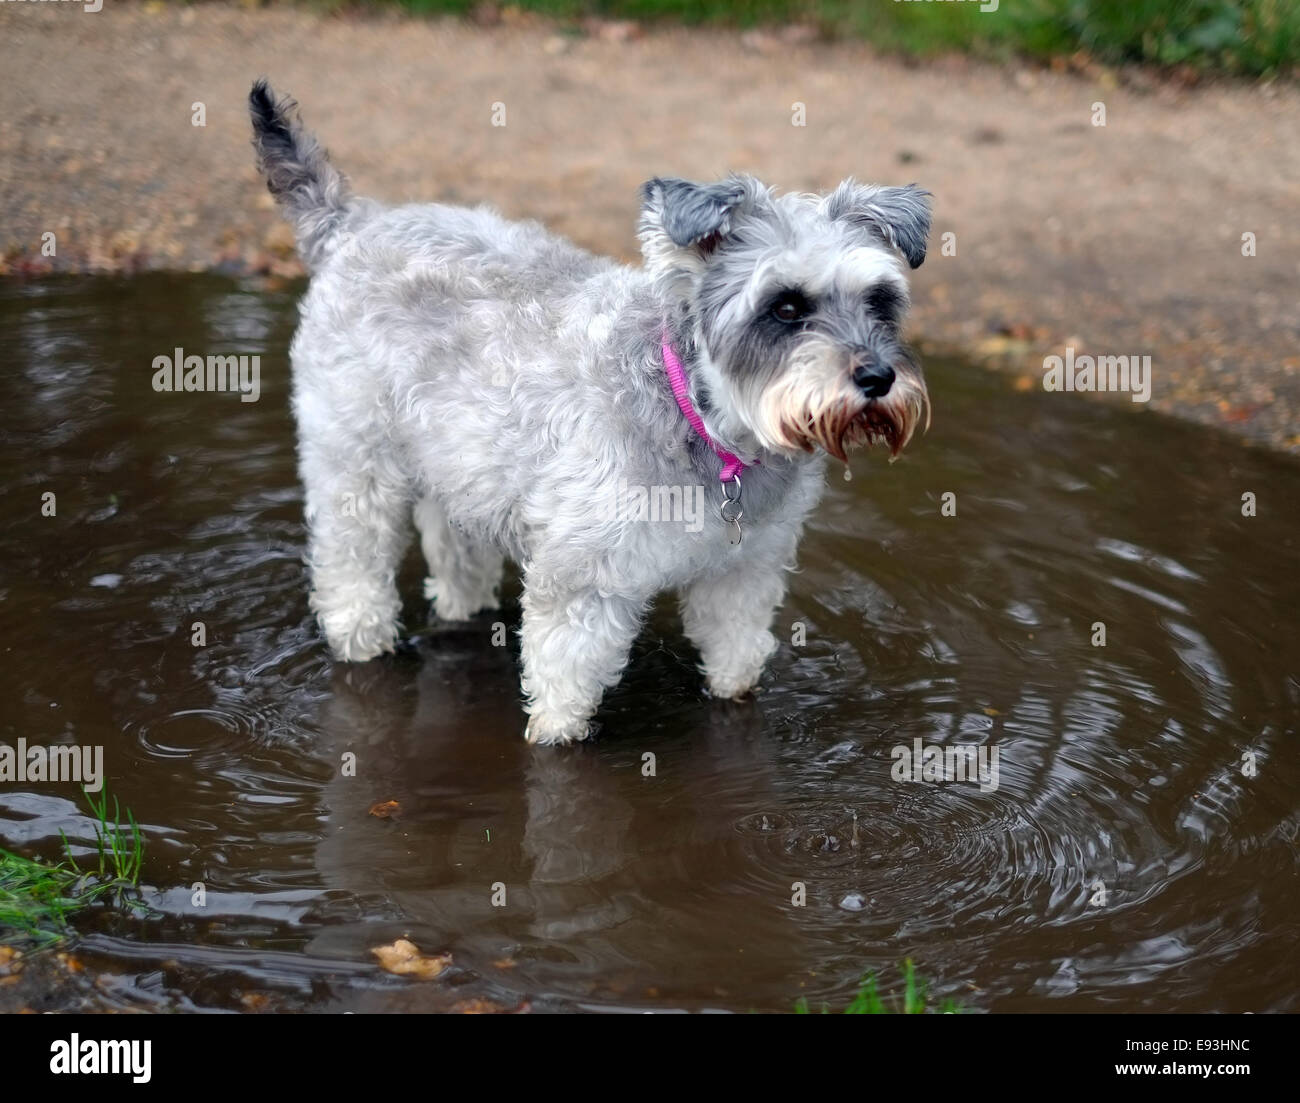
494, 382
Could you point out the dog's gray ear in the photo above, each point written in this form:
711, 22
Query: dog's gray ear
691, 213
682, 223
901, 216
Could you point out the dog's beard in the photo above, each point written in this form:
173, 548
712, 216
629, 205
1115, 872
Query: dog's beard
816, 404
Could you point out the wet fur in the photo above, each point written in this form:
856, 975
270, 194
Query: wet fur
494, 383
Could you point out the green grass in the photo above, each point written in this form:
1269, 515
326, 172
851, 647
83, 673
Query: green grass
868, 1001
1254, 37
38, 898
1249, 37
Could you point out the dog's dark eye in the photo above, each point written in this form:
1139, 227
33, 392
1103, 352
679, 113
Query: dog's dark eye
790, 306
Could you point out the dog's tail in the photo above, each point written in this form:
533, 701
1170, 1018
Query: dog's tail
313, 194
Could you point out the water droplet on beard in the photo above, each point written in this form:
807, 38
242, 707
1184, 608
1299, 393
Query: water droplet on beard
848, 473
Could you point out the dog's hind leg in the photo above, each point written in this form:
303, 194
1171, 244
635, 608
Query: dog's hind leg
463, 573
358, 530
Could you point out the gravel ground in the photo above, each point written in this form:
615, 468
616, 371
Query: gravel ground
1119, 239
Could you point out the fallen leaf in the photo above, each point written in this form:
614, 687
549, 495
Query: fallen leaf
386, 809
405, 960
487, 1007
477, 1007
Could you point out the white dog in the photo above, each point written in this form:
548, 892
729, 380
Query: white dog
517, 394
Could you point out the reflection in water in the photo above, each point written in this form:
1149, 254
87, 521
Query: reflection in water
1125, 860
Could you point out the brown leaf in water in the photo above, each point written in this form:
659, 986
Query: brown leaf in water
386, 809
404, 959
487, 1007
477, 1007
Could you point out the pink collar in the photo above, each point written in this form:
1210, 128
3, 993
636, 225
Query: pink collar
732, 465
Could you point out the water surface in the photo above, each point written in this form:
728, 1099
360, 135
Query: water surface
1124, 862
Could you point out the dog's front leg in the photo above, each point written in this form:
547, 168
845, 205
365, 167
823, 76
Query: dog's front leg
575, 644
728, 616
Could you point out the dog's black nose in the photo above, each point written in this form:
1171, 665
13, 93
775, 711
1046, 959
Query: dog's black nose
873, 377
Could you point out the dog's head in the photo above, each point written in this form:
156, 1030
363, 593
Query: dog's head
796, 302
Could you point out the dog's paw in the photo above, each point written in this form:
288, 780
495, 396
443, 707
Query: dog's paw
548, 731
450, 605
357, 638
732, 689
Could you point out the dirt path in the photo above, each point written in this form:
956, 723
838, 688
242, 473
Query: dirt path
1122, 239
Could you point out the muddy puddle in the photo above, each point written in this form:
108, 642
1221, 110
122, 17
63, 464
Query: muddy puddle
1134, 849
